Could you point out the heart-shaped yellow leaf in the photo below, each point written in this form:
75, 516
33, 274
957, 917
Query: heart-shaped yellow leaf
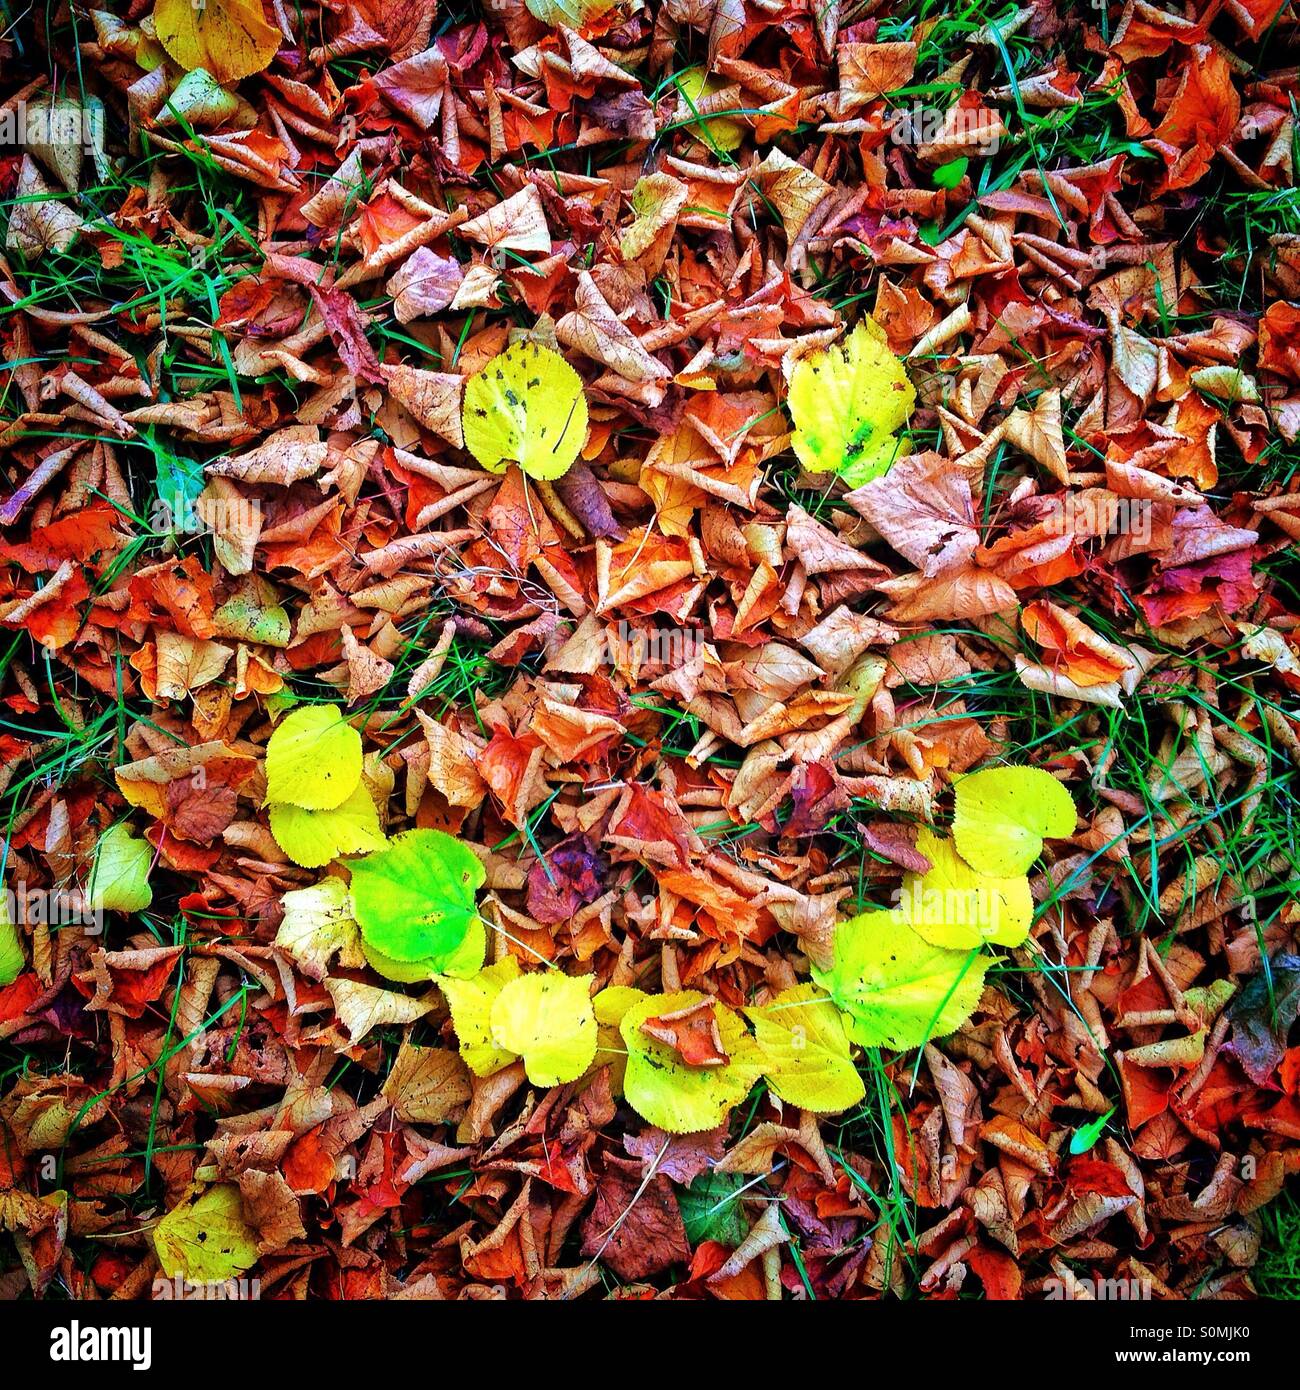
1004, 814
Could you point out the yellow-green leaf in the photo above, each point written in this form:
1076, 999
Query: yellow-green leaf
313, 759
805, 1051
899, 990
119, 879
568, 14
230, 38
958, 907
847, 403
207, 1240
696, 85
313, 838
526, 407
1004, 814
609, 1007
415, 901
462, 962
12, 960
547, 1019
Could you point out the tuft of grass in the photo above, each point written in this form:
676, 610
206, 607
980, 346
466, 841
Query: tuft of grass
1276, 1273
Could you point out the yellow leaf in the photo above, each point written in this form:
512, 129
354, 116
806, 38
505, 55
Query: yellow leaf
899, 990
847, 402
228, 38
471, 1004
669, 1092
1003, 815
313, 838
609, 1007
958, 907
206, 1241
526, 407
12, 960
547, 1019
313, 758
805, 1049
119, 881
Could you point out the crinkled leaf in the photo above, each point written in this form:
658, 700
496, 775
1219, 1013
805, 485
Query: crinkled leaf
1262, 1016
318, 925
229, 38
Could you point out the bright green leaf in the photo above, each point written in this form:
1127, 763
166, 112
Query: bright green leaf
899, 990
462, 963
415, 899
